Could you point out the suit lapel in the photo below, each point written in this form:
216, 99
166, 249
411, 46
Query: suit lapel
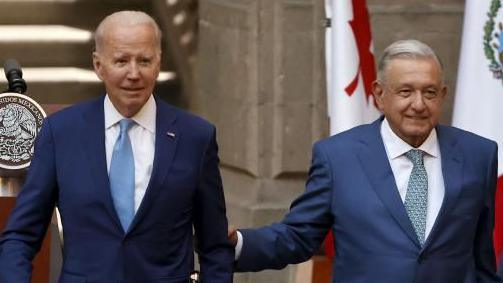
375, 163
166, 139
94, 148
452, 166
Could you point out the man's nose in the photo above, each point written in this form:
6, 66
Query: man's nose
133, 71
418, 101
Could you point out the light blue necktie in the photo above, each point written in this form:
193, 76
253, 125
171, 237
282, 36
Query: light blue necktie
416, 198
122, 175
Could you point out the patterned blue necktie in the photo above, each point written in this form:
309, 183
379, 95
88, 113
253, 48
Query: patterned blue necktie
122, 175
416, 198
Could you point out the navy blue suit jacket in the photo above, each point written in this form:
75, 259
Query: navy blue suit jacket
69, 171
351, 189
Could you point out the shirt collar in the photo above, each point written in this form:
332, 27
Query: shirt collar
145, 117
396, 147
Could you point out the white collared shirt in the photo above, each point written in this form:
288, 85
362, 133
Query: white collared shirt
142, 136
402, 167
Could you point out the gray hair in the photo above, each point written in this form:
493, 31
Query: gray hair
408, 49
125, 18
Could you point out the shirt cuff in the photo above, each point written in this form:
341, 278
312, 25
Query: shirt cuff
239, 246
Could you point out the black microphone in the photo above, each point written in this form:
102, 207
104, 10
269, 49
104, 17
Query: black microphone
14, 76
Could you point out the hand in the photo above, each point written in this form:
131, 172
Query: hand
232, 234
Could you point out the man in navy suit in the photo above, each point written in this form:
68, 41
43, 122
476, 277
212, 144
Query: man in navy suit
131, 176
408, 200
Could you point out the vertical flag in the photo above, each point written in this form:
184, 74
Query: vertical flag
350, 65
350, 69
479, 92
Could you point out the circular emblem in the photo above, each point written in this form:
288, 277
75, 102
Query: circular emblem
493, 39
20, 120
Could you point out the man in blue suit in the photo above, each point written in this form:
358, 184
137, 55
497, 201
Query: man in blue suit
131, 176
408, 200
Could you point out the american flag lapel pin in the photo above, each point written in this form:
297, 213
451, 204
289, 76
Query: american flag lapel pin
171, 134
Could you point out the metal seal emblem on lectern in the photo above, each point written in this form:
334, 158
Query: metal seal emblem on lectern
20, 121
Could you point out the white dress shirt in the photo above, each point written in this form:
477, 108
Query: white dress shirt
402, 167
142, 136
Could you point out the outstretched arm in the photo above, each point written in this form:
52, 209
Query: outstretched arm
302, 230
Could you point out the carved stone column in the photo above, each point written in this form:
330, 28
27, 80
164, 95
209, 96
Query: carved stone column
262, 82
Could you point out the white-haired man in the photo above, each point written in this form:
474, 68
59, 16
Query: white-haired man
131, 176
408, 200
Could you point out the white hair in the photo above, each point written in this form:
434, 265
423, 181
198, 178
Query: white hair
408, 49
125, 18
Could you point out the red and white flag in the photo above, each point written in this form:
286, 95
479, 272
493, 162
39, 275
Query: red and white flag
350, 65
478, 102
350, 69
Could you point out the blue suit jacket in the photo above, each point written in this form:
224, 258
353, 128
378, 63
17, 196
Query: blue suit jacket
351, 189
69, 171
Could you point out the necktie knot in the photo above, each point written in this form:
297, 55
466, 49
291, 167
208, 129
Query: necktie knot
416, 156
125, 125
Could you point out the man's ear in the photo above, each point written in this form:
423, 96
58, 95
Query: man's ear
97, 65
378, 91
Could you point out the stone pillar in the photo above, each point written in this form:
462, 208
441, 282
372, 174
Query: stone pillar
261, 81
